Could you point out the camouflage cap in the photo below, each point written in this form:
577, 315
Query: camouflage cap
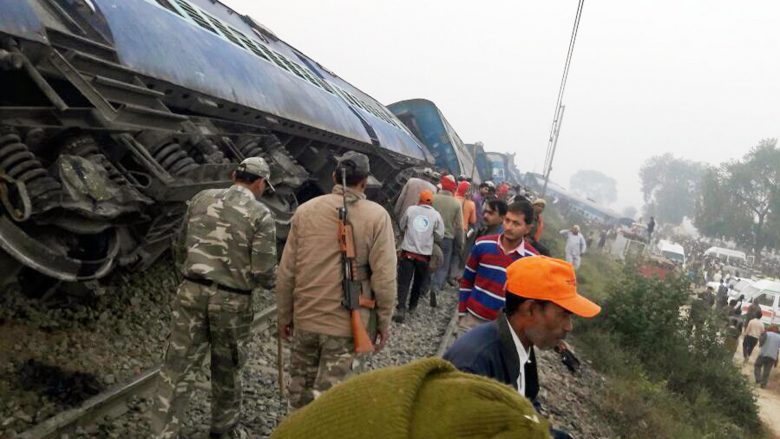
358, 160
257, 166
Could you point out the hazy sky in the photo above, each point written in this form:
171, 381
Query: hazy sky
700, 79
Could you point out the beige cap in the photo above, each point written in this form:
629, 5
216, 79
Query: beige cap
259, 167
359, 161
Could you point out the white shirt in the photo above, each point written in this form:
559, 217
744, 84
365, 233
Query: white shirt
524, 356
575, 244
421, 225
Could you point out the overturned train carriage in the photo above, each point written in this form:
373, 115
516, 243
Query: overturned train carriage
423, 118
115, 112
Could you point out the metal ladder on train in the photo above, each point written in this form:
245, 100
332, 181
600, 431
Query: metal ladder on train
116, 92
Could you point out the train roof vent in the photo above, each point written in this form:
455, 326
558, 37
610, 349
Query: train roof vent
195, 15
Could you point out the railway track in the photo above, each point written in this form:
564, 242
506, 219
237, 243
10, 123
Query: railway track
114, 402
449, 335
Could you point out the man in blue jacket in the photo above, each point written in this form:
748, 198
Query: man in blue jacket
541, 296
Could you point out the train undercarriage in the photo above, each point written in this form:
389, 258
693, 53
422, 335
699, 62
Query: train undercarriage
97, 161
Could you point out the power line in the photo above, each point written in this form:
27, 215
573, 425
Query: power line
555, 129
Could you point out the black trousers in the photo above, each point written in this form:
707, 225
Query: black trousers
409, 269
748, 344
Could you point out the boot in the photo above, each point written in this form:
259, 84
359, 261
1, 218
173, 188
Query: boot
433, 298
400, 315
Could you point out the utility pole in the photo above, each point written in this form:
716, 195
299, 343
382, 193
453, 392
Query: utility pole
555, 130
554, 141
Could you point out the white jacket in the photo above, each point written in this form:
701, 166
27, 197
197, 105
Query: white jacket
575, 244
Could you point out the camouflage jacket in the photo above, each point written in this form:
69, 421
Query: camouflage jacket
230, 239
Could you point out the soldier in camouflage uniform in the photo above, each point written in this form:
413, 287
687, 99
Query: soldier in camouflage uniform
230, 250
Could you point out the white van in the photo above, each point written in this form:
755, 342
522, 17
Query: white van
768, 294
672, 251
730, 257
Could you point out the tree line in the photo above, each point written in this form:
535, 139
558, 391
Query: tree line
737, 200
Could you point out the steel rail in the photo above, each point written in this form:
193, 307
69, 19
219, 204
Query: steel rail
112, 403
449, 334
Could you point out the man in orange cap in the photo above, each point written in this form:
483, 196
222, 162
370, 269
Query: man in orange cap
541, 297
421, 225
452, 213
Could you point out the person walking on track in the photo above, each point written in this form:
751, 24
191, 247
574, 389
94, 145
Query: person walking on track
230, 240
481, 294
451, 212
421, 226
309, 289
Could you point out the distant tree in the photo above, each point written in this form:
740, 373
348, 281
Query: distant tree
670, 186
741, 200
630, 212
594, 185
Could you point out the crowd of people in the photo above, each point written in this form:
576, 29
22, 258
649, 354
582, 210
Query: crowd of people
485, 240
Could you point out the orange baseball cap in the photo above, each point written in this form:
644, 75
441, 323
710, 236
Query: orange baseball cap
553, 280
426, 197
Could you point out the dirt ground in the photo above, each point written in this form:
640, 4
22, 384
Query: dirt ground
768, 399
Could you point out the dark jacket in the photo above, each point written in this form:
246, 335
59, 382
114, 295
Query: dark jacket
489, 350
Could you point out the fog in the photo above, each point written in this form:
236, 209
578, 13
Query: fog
695, 78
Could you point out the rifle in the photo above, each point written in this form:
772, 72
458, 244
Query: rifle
352, 300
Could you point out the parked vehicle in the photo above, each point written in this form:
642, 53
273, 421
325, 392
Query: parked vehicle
767, 292
626, 245
672, 251
730, 257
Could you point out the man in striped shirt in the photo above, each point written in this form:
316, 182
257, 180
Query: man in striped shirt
482, 285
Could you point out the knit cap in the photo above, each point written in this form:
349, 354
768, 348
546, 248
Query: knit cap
448, 183
463, 187
426, 197
425, 399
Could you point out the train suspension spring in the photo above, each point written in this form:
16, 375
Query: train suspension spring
174, 158
21, 164
256, 146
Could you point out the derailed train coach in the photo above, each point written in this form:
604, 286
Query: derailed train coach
114, 112
426, 121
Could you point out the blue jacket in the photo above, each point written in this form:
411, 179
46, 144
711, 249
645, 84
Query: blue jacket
489, 350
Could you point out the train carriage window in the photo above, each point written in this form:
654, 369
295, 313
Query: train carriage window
275, 57
196, 16
342, 94
266, 51
362, 104
167, 5
224, 30
248, 43
255, 49
310, 77
327, 87
291, 66
350, 98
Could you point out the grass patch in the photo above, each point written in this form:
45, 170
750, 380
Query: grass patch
668, 373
